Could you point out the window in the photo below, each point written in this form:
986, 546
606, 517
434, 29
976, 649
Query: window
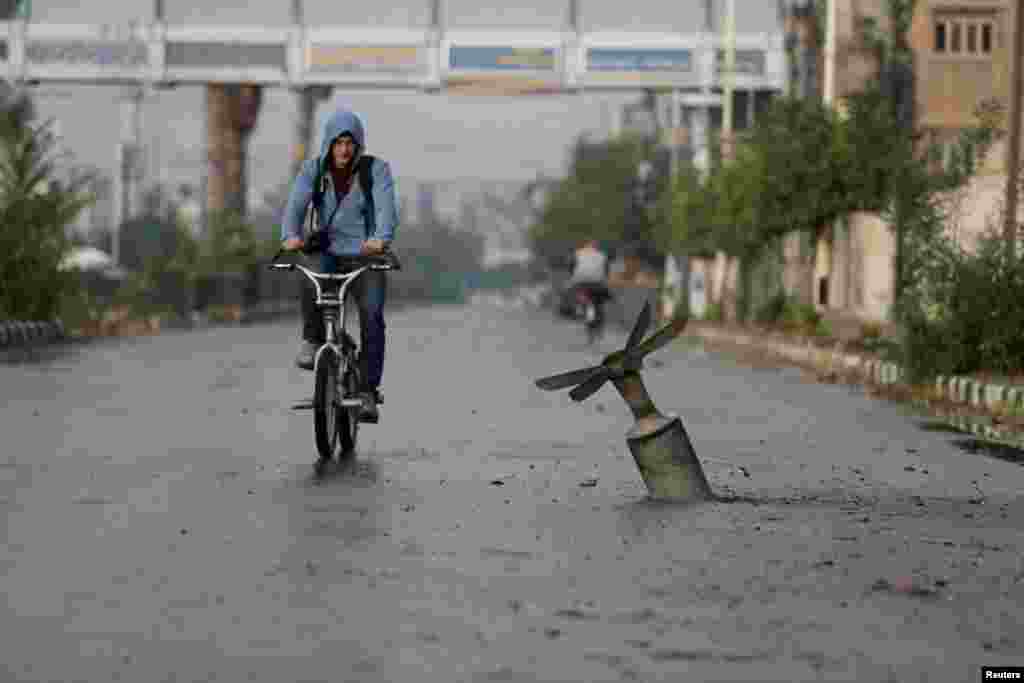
967, 34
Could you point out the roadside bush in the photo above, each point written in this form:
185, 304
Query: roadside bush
969, 315
714, 313
35, 209
800, 318
870, 332
822, 329
772, 310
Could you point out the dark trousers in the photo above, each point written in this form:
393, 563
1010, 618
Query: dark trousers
369, 291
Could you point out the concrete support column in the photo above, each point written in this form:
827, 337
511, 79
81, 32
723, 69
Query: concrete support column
16, 49
435, 41
728, 79
675, 117
231, 114
572, 47
129, 165
700, 121
830, 52
156, 45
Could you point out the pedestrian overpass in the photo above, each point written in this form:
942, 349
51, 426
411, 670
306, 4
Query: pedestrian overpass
306, 58
428, 59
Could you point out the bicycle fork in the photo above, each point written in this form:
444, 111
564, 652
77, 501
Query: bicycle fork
343, 355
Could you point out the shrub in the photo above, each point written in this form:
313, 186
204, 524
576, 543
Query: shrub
870, 331
968, 315
34, 212
714, 313
772, 310
800, 318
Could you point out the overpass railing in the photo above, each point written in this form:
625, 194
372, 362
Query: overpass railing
411, 58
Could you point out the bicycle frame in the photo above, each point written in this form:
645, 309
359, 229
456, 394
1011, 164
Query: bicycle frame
331, 303
337, 381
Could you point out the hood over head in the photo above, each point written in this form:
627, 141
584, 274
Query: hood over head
342, 121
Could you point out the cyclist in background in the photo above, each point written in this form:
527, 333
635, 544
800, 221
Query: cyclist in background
590, 277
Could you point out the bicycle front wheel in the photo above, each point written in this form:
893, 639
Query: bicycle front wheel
348, 418
325, 407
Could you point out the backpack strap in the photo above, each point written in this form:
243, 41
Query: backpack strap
319, 187
364, 170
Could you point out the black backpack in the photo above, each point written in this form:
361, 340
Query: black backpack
317, 240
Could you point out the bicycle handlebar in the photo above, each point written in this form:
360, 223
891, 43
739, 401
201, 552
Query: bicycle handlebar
385, 261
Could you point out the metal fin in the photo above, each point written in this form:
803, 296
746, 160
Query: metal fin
643, 321
567, 379
590, 387
659, 338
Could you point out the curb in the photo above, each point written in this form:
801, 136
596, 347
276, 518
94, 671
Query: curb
984, 428
957, 389
22, 333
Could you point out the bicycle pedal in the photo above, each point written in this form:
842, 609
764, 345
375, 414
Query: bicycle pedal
303, 405
352, 403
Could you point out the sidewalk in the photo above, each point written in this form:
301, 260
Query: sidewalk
21, 336
990, 410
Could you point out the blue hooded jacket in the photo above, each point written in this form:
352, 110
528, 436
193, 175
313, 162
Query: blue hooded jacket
349, 224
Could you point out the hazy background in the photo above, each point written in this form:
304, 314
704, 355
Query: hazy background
426, 137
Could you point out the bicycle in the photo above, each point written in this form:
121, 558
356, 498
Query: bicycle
336, 402
588, 301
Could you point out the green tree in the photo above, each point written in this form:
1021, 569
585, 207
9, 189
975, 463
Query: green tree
35, 208
803, 161
790, 173
594, 201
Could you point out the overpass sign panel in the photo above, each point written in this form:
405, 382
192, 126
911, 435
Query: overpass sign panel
213, 55
502, 70
365, 59
87, 53
486, 58
635, 66
625, 60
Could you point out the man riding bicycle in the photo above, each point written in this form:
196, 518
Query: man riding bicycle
589, 266
350, 221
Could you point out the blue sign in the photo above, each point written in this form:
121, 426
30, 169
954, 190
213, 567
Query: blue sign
502, 58
631, 59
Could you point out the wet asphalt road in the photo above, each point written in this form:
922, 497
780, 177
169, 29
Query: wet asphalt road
162, 522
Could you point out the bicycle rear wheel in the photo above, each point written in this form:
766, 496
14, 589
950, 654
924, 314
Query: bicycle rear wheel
325, 407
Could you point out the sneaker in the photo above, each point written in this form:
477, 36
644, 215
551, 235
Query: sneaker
369, 413
307, 354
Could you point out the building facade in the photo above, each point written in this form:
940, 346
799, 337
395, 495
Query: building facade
963, 51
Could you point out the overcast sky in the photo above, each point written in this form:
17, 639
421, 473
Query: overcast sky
424, 136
